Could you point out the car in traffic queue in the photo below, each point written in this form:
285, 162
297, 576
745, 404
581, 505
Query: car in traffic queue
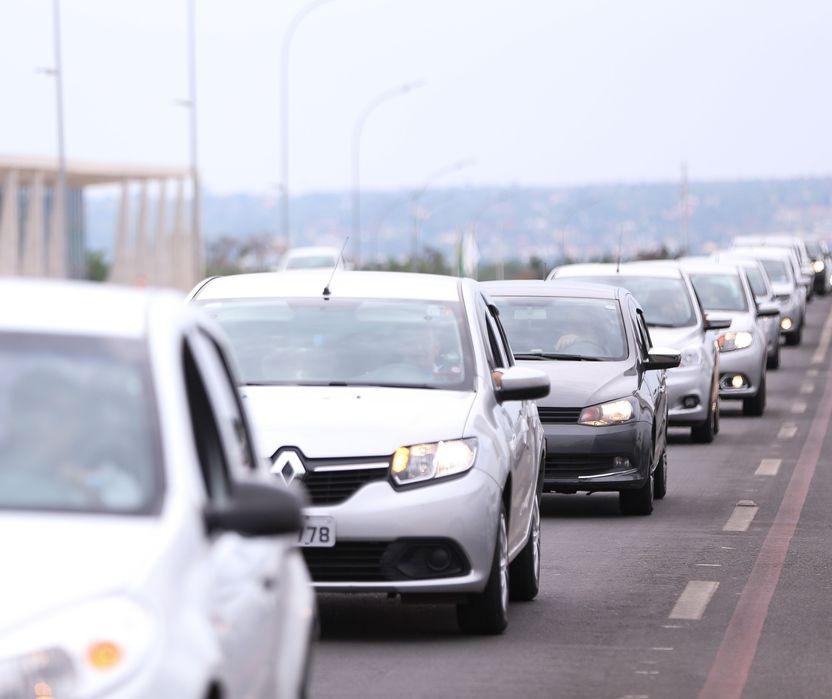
801, 261
789, 293
675, 319
606, 424
764, 297
723, 288
146, 552
312, 257
394, 399
821, 260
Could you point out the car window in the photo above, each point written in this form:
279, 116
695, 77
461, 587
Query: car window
570, 325
719, 292
502, 338
776, 270
757, 281
644, 331
79, 429
343, 341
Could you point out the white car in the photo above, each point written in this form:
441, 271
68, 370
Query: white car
313, 257
395, 400
144, 552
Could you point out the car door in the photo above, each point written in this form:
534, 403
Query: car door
653, 384
515, 419
244, 571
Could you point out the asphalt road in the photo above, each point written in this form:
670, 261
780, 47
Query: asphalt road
670, 605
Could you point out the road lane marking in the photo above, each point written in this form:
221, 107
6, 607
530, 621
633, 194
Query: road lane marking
663, 648
672, 626
693, 600
787, 431
731, 666
823, 346
768, 467
807, 388
799, 407
742, 517
709, 565
812, 372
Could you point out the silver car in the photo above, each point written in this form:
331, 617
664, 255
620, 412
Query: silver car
723, 288
395, 400
675, 319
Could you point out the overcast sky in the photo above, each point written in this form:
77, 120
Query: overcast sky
540, 92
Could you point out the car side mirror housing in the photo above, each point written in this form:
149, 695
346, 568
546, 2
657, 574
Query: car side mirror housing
520, 383
768, 310
717, 322
255, 509
662, 358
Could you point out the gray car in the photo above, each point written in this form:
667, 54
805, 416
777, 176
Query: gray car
395, 400
606, 424
675, 319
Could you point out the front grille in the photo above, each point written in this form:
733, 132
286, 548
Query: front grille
558, 416
560, 466
347, 561
333, 487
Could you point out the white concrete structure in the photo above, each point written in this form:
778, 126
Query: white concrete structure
40, 235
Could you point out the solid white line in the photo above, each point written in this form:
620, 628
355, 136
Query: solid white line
741, 518
823, 346
768, 467
807, 388
693, 600
799, 407
787, 431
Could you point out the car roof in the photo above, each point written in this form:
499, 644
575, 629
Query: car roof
666, 269
555, 287
710, 266
79, 308
344, 284
763, 252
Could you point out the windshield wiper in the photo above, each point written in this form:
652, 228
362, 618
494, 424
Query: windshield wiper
662, 325
556, 355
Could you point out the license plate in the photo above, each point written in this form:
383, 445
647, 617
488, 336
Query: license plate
317, 531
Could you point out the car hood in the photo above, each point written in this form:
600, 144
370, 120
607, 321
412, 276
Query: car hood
578, 384
676, 338
53, 561
338, 421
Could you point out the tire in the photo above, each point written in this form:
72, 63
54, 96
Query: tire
637, 502
660, 477
524, 571
773, 362
704, 433
756, 405
487, 612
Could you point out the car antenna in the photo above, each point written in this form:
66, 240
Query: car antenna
618, 258
327, 292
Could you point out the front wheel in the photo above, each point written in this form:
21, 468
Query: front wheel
637, 502
660, 477
487, 612
756, 405
773, 362
704, 433
524, 572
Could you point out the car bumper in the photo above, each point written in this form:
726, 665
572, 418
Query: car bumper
581, 457
747, 363
688, 383
379, 525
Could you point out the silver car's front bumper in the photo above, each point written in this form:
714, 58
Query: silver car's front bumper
749, 363
687, 383
463, 510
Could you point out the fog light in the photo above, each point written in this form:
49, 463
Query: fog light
786, 323
737, 381
439, 559
621, 462
690, 401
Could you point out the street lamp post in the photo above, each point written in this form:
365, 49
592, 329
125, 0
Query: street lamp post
357, 132
196, 204
414, 202
284, 111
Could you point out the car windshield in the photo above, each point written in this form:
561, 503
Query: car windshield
367, 342
311, 262
665, 300
78, 426
573, 326
814, 249
757, 281
719, 292
776, 270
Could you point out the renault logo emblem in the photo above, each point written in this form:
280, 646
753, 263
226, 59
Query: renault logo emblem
289, 465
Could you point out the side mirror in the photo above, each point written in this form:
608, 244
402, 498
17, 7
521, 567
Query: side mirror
662, 358
767, 310
520, 383
717, 322
255, 509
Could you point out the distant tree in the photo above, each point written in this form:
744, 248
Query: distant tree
97, 268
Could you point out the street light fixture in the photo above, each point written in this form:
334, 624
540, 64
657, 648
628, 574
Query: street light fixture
357, 132
284, 111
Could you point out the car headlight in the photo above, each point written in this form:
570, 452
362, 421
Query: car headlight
615, 412
730, 341
424, 462
818, 266
691, 356
786, 323
82, 651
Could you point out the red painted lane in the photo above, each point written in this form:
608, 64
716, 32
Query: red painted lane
729, 671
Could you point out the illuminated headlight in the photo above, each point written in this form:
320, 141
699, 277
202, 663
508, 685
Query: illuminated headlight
94, 647
613, 413
786, 323
818, 266
734, 341
691, 357
424, 462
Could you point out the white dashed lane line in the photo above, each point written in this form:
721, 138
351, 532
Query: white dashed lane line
768, 467
787, 431
799, 407
742, 517
807, 388
694, 600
